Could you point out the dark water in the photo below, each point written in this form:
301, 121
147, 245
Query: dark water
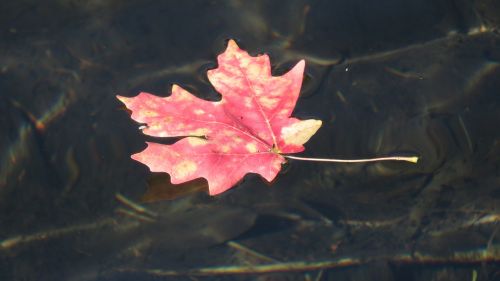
386, 77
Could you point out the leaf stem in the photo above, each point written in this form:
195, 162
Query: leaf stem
412, 159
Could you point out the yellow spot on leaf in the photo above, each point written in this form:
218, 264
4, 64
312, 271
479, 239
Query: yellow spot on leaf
244, 61
277, 165
228, 133
225, 148
154, 127
236, 83
149, 113
268, 102
253, 70
200, 132
183, 169
193, 141
199, 111
284, 112
251, 147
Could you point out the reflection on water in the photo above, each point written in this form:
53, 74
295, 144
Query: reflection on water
14, 153
386, 78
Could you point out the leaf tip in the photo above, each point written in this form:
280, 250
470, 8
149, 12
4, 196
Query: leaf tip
122, 99
318, 123
231, 44
301, 63
300, 132
298, 69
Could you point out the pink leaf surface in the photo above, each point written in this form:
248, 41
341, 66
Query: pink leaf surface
245, 132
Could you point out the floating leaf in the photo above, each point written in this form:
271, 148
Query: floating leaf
247, 131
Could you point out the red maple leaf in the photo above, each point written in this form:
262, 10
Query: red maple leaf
247, 131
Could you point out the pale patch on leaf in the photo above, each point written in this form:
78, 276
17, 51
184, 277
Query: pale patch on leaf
251, 147
184, 169
194, 141
300, 132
